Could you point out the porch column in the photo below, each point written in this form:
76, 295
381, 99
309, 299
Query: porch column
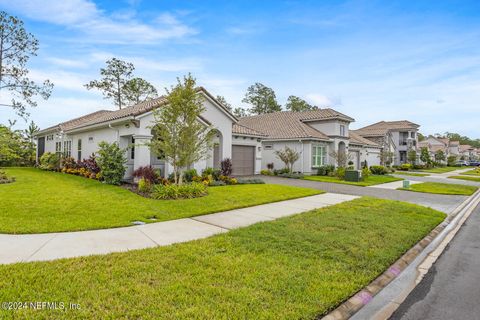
142, 151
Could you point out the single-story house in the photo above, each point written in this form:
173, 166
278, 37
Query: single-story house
131, 128
315, 135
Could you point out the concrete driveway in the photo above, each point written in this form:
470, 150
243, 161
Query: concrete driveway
439, 202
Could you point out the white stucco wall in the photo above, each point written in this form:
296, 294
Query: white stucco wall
330, 127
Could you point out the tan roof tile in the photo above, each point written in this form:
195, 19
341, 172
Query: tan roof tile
242, 130
381, 128
357, 139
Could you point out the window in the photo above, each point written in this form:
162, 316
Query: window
318, 156
67, 148
79, 149
90, 139
342, 130
132, 150
50, 137
268, 147
58, 148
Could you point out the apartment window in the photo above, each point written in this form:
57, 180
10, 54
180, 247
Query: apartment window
132, 150
79, 149
403, 138
50, 137
318, 156
342, 130
67, 148
58, 148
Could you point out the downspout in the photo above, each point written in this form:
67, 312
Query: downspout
303, 169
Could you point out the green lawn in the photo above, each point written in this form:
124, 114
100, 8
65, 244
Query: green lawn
443, 169
297, 267
476, 179
41, 201
442, 188
413, 174
471, 173
370, 181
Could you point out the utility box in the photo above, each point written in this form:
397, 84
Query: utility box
353, 175
406, 184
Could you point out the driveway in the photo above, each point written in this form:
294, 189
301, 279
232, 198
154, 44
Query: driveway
450, 289
439, 202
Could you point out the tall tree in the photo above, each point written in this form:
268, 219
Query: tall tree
224, 102
240, 112
17, 46
114, 77
138, 90
262, 99
31, 131
182, 138
297, 104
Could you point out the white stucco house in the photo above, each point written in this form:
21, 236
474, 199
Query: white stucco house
131, 128
314, 135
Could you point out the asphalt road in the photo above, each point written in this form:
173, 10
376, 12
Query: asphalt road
451, 289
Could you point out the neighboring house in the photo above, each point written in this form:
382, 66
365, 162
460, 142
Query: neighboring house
397, 137
467, 152
131, 128
314, 135
434, 145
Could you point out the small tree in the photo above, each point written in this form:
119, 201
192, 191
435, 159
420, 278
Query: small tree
341, 158
111, 161
182, 138
297, 104
262, 99
31, 131
138, 90
16, 48
425, 156
451, 161
288, 156
412, 156
386, 158
440, 156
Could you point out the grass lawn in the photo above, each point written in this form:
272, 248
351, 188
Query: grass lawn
370, 181
293, 268
476, 179
413, 174
443, 169
471, 173
442, 188
41, 201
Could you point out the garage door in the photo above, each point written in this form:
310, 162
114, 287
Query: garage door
243, 160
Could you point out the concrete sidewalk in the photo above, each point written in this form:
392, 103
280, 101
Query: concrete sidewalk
41, 247
392, 185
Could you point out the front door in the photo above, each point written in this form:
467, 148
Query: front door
40, 147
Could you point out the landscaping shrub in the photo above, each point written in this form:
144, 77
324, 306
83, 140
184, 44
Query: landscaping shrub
451, 161
270, 166
216, 183
266, 172
291, 175
49, 161
405, 167
366, 173
189, 174
325, 170
68, 163
281, 171
380, 170
183, 191
5, 179
214, 173
250, 181
147, 173
144, 185
340, 173
419, 166
226, 167
111, 161
89, 164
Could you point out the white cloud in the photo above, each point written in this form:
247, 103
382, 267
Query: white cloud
69, 63
61, 79
319, 100
84, 16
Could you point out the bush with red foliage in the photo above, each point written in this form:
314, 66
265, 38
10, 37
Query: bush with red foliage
148, 173
226, 167
89, 164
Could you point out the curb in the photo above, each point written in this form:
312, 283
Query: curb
352, 305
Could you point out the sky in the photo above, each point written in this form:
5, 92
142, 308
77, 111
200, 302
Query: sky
372, 60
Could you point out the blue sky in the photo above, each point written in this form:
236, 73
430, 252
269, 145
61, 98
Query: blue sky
373, 60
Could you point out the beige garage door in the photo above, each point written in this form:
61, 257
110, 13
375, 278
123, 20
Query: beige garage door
243, 160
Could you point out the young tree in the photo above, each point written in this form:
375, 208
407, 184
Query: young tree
15, 149
114, 77
425, 156
16, 48
182, 138
31, 131
386, 158
440, 156
412, 156
288, 156
224, 102
297, 104
262, 99
451, 161
137, 90
341, 158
